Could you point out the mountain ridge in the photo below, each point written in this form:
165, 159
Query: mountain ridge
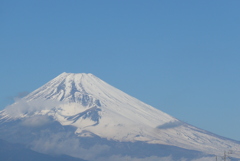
97, 108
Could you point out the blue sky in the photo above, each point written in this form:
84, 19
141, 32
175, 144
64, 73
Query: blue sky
181, 57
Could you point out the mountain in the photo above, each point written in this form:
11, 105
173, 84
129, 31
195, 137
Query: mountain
82, 116
17, 152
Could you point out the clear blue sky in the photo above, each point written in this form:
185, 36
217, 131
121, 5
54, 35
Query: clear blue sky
182, 57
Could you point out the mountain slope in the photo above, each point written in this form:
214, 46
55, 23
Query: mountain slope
95, 108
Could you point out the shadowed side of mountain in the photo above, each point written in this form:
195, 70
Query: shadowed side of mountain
53, 138
17, 152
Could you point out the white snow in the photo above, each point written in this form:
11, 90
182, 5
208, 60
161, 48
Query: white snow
121, 117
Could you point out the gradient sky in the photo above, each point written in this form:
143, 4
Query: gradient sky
181, 57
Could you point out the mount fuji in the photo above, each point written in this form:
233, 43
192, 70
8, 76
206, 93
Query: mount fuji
82, 116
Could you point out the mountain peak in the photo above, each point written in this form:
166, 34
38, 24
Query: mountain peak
65, 87
67, 74
97, 108
75, 94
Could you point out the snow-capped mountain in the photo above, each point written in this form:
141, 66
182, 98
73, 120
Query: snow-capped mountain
97, 109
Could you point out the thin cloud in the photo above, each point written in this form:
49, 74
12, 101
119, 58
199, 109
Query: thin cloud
64, 143
22, 107
18, 96
170, 125
36, 121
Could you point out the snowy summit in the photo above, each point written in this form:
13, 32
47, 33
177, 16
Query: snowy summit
96, 108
